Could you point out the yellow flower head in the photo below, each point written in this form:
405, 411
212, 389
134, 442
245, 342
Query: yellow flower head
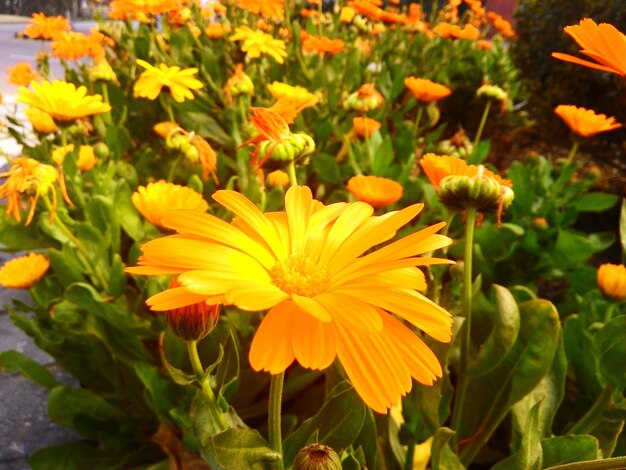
45, 27
22, 74
277, 178
612, 280
178, 81
156, 200
329, 293
255, 43
216, 30
63, 101
86, 158
59, 153
41, 121
23, 272
585, 122
375, 190
280, 90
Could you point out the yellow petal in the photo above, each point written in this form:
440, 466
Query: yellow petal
271, 348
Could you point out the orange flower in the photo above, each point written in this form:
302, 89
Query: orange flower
447, 30
266, 8
22, 74
216, 30
46, 27
603, 43
437, 167
40, 120
364, 126
612, 280
322, 45
366, 8
585, 122
484, 44
23, 272
291, 100
393, 18
426, 90
375, 190
70, 45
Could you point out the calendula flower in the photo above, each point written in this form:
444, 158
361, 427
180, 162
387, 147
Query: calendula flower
206, 157
42, 122
603, 43
322, 45
86, 158
22, 74
179, 82
239, 83
45, 27
328, 293
364, 126
347, 14
364, 100
437, 167
426, 90
292, 100
266, 8
192, 322
62, 100
255, 43
141, 9
59, 153
70, 45
367, 9
393, 18
217, 30
23, 272
96, 43
155, 200
375, 190
612, 280
585, 122
277, 178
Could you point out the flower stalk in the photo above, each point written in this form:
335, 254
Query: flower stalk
274, 413
481, 125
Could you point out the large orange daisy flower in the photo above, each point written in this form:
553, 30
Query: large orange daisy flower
45, 27
602, 42
326, 297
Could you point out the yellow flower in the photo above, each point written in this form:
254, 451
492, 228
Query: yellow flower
45, 27
255, 43
86, 158
59, 153
375, 190
155, 200
277, 178
178, 81
328, 293
280, 90
62, 100
612, 280
585, 122
22, 74
23, 272
41, 121
346, 15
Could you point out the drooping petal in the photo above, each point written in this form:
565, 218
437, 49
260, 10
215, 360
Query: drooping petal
271, 348
313, 341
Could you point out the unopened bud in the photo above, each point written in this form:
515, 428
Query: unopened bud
317, 457
192, 322
101, 150
540, 223
492, 91
297, 148
102, 71
461, 192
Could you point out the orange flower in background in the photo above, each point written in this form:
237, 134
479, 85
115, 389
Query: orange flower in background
277, 178
322, 45
484, 44
426, 90
96, 43
217, 30
45, 27
329, 295
375, 190
266, 8
447, 30
364, 126
23, 272
612, 280
155, 200
22, 74
585, 122
292, 100
603, 43
70, 45
367, 9
393, 18
437, 167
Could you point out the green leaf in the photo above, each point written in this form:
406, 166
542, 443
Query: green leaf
326, 168
505, 329
227, 374
66, 266
236, 449
610, 344
595, 202
580, 351
442, 457
337, 423
480, 153
66, 405
383, 156
129, 218
11, 361
529, 456
560, 450
117, 279
71, 456
157, 389
177, 375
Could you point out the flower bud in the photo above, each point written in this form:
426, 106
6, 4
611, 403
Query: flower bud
612, 280
297, 147
102, 71
192, 322
101, 150
458, 192
317, 457
364, 100
540, 223
492, 91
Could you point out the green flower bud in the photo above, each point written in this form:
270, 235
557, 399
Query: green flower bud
297, 147
317, 457
192, 322
460, 192
492, 91
101, 150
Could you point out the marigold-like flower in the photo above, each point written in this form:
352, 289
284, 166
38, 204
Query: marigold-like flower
375, 190
612, 280
291, 100
62, 100
585, 122
255, 43
322, 45
86, 158
217, 30
365, 99
266, 8
23, 272
41, 121
367, 8
58, 154
45, 27
326, 297
22, 74
347, 14
426, 90
437, 167
447, 30
277, 178
179, 82
364, 126
70, 45
155, 200
603, 43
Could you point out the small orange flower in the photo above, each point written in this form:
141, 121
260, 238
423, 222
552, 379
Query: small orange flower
484, 44
612, 280
46, 27
393, 18
22, 74
70, 45
604, 43
322, 45
217, 30
23, 272
266, 8
364, 126
375, 190
585, 122
277, 178
426, 90
367, 9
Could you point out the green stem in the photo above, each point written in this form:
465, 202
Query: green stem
461, 387
198, 369
173, 168
351, 158
291, 171
418, 119
604, 464
481, 126
168, 107
368, 148
410, 455
572, 152
276, 395
593, 416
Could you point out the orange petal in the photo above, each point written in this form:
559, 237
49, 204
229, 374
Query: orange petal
271, 348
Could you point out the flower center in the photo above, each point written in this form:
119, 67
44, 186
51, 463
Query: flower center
300, 275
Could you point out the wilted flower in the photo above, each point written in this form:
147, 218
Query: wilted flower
179, 82
426, 90
585, 122
492, 91
375, 190
328, 293
22, 74
364, 126
194, 321
255, 43
23, 272
612, 280
317, 457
